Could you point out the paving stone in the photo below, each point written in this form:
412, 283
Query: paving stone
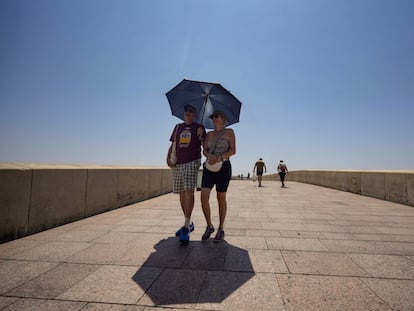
166, 253
131, 228
255, 260
243, 225
112, 284
337, 236
207, 258
160, 309
393, 248
14, 273
100, 253
284, 226
44, 305
322, 263
117, 237
312, 292
301, 234
176, 288
261, 233
336, 228
52, 251
54, 282
48, 235
348, 246
8, 250
240, 291
395, 230
295, 244
247, 242
383, 237
79, 236
398, 294
5, 301
385, 266
112, 307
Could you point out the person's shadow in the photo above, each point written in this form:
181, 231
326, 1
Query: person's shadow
201, 272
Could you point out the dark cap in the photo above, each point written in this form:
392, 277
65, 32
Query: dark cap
218, 112
190, 108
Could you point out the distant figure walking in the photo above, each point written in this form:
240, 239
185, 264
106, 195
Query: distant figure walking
259, 167
282, 170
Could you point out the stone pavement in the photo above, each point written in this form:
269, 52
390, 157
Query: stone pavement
299, 248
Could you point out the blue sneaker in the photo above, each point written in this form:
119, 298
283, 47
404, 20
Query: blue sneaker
179, 231
185, 236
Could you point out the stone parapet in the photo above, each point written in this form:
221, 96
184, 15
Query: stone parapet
36, 197
394, 186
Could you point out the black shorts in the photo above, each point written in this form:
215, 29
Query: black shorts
221, 178
259, 173
282, 176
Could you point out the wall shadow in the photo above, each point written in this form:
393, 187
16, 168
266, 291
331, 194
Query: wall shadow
201, 272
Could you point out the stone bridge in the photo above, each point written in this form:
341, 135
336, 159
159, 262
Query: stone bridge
304, 247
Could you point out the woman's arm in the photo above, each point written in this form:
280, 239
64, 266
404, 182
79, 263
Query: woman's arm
232, 140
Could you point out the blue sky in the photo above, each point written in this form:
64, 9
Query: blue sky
325, 84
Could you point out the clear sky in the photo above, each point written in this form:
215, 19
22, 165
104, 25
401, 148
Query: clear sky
325, 84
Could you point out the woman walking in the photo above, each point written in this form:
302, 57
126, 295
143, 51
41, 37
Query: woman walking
218, 147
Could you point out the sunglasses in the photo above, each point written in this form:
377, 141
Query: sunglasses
189, 110
215, 116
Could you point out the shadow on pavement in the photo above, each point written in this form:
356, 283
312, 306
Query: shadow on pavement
197, 273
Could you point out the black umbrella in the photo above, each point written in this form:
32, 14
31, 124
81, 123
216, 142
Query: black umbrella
206, 97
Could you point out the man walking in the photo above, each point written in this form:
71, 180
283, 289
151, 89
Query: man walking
188, 138
258, 167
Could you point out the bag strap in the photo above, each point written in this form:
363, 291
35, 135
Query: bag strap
175, 132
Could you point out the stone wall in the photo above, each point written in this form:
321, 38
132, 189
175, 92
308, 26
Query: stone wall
38, 197
394, 186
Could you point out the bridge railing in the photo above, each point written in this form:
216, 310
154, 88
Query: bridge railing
394, 186
34, 198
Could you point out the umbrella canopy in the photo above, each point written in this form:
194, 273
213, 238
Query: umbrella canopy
206, 97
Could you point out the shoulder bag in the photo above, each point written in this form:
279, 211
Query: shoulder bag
172, 151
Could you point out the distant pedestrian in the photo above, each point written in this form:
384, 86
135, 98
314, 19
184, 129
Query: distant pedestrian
259, 166
282, 170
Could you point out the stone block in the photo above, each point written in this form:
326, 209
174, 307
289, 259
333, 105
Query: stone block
341, 181
166, 181
132, 186
101, 191
373, 185
15, 189
154, 183
395, 188
354, 182
58, 197
410, 189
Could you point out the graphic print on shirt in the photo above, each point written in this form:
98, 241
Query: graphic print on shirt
185, 138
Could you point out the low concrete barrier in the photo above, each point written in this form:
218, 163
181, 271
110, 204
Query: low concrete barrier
38, 197
394, 186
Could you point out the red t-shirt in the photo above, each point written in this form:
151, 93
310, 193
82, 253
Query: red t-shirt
188, 144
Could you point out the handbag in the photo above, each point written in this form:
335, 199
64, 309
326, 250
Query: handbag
214, 167
172, 152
